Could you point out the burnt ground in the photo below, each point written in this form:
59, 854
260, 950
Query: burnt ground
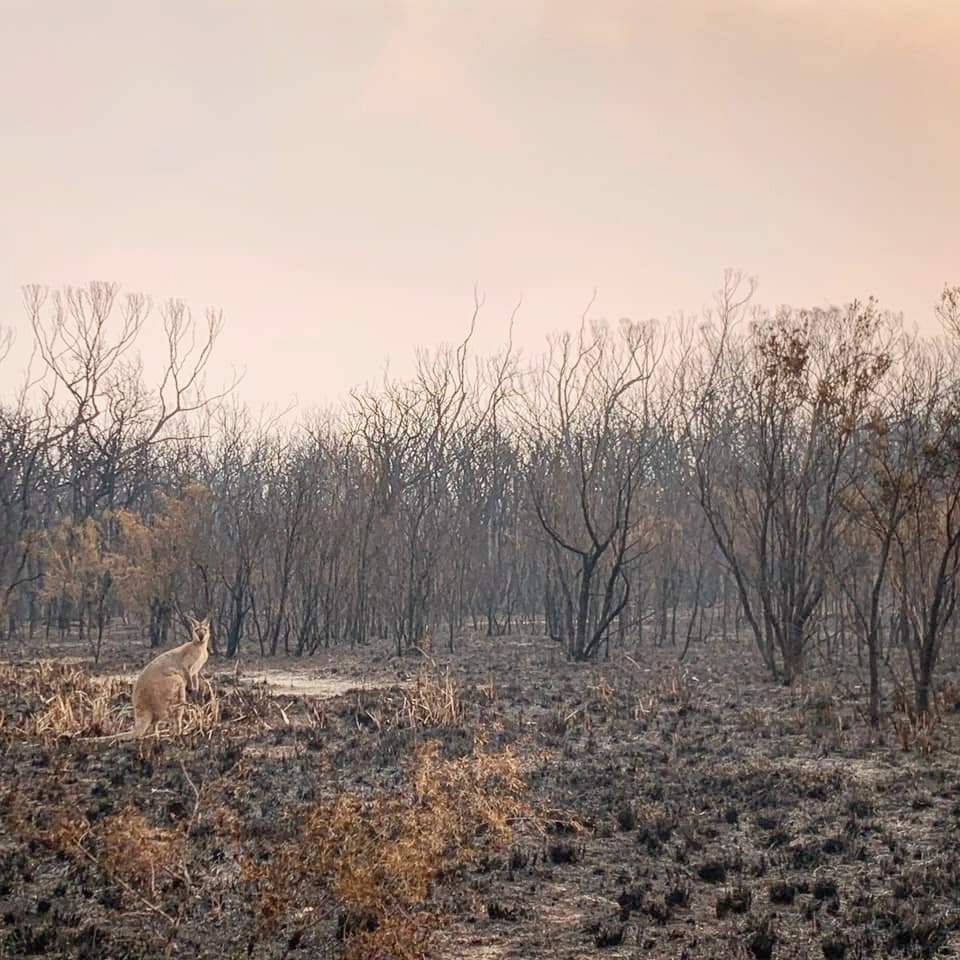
675, 811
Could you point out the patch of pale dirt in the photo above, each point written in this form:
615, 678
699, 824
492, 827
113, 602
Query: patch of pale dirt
270, 751
295, 683
290, 682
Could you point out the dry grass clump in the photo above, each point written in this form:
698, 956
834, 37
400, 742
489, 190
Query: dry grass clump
65, 833
200, 719
678, 687
62, 700
71, 702
75, 714
434, 701
913, 730
383, 856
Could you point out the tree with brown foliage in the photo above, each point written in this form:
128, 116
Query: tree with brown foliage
773, 428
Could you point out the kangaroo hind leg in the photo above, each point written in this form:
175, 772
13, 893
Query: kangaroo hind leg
180, 701
142, 722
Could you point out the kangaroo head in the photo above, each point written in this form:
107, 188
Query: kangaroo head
201, 630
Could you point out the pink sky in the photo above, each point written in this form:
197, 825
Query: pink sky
337, 174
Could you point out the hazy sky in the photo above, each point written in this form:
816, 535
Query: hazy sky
336, 174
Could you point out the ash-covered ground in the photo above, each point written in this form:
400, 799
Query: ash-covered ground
672, 810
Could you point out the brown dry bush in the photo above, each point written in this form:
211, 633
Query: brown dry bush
678, 687
136, 852
274, 883
125, 846
675, 687
125, 849
397, 845
382, 855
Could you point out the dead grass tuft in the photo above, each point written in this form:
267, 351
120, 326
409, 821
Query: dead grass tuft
677, 687
124, 847
434, 701
674, 687
914, 731
394, 937
384, 854
200, 719
65, 834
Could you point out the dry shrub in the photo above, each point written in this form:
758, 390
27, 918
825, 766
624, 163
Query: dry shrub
51, 676
564, 720
136, 852
434, 701
816, 699
251, 706
601, 702
653, 815
318, 714
819, 711
125, 846
605, 693
64, 700
425, 646
644, 708
383, 854
74, 715
223, 821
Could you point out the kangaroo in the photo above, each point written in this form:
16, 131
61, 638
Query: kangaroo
164, 681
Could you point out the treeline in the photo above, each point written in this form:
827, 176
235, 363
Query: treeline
791, 474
